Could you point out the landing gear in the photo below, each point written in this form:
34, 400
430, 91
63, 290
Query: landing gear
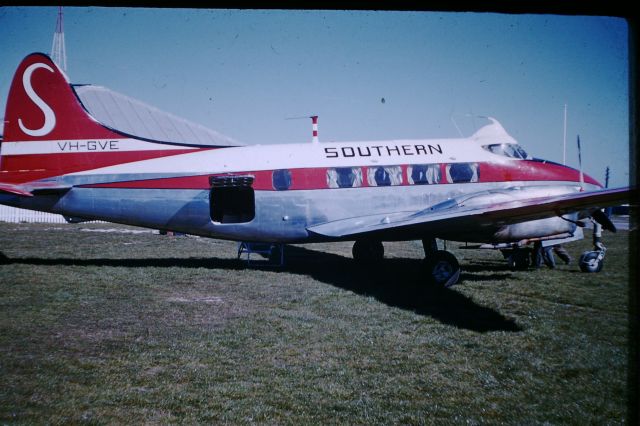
592, 261
442, 267
518, 258
367, 251
274, 252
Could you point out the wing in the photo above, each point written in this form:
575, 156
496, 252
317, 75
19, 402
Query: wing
474, 211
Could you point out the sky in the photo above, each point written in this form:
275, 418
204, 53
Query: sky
368, 75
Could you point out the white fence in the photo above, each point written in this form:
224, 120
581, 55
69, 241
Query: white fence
14, 215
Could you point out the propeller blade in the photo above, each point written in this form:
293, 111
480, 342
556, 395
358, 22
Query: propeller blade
602, 219
580, 164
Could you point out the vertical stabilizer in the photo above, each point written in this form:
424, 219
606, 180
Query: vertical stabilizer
48, 132
42, 106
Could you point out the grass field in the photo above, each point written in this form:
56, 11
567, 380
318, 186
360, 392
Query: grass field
116, 327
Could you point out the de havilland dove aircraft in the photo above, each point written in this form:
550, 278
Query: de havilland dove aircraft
57, 157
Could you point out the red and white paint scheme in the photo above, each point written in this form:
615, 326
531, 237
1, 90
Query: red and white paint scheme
56, 157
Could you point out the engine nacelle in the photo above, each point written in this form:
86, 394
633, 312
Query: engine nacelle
553, 226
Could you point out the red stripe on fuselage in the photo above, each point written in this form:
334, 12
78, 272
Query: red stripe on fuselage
316, 178
25, 168
528, 170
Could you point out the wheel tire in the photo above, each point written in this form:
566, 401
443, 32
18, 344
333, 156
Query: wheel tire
519, 259
365, 251
589, 262
275, 255
443, 268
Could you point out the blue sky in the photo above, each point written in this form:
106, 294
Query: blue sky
243, 72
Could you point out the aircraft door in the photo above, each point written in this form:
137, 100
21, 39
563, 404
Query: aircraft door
232, 199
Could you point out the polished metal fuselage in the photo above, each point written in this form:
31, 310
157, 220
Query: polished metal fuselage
284, 216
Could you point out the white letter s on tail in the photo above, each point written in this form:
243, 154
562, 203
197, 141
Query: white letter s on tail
49, 116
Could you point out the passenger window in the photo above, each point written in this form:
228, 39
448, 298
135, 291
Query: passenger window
462, 172
281, 179
384, 176
344, 177
423, 174
381, 177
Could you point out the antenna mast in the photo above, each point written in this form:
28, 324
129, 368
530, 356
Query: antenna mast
58, 52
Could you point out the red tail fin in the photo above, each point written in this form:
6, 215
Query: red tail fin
42, 106
48, 132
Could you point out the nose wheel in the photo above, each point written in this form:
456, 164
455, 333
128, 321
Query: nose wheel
592, 261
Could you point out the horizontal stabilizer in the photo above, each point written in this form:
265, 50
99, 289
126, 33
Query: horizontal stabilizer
8, 188
35, 188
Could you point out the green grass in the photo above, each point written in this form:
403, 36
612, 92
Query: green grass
102, 327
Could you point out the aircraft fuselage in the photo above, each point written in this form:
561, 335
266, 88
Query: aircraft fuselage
275, 192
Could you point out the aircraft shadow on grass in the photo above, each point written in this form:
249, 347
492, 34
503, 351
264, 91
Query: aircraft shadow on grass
401, 283
395, 282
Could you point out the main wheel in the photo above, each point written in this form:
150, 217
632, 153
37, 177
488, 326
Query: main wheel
519, 259
275, 255
366, 251
590, 261
443, 268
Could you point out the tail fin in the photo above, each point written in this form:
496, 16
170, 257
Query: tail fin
47, 131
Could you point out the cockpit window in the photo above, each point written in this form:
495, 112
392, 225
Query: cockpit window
510, 150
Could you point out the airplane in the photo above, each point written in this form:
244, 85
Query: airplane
56, 157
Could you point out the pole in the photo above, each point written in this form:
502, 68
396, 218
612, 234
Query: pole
58, 52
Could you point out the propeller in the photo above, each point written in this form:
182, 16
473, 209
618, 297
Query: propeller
600, 217
597, 215
580, 165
